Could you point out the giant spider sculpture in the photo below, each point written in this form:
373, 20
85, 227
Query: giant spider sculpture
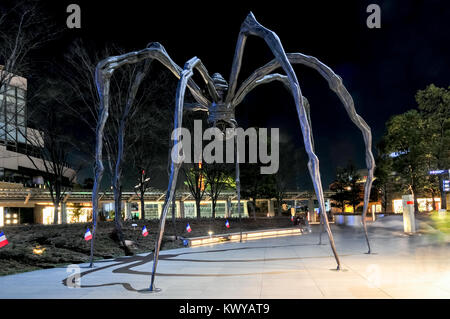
221, 104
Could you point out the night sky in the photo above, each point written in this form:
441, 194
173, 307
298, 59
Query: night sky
381, 68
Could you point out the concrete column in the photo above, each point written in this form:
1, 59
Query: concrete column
128, 210
160, 208
177, 209
245, 206
63, 213
270, 207
409, 221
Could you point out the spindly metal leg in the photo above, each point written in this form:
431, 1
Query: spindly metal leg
238, 187
252, 27
103, 73
262, 75
177, 157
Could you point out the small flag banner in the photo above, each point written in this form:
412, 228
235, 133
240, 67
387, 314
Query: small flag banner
227, 224
144, 231
88, 235
292, 218
3, 240
188, 228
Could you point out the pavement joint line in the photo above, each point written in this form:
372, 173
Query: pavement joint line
365, 279
311, 276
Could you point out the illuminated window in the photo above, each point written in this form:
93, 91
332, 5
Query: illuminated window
205, 209
398, 206
220, 209
47, 215
189, 210
151, 211
234, 209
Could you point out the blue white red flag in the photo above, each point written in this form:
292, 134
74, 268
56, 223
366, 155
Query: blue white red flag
3, 240
227, 224
88, 235
188, 228
144, 231
292, 218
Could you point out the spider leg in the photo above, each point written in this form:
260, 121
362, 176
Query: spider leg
103, 73
177, 152
251, 27
336, 85
238, 187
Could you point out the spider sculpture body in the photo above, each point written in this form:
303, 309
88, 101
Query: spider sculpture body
221, 103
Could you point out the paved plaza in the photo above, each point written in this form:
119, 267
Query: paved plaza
401, 266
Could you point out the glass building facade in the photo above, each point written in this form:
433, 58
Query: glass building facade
12, 114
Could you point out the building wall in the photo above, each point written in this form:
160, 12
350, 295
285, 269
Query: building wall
153, 209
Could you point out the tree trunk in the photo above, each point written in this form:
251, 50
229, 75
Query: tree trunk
198, 208
118, 219
213, 202
443, 197
279, 207
416, 204
142, 206
56, 213
385, 201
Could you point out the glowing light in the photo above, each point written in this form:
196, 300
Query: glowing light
235, 237
38, 250
397, 154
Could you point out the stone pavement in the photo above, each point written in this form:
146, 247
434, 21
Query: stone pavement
285, 267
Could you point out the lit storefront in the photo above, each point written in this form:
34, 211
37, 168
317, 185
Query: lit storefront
374, 207
22, 205
75, 213
425, 205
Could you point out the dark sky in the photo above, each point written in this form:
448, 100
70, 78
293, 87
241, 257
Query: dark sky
381, 68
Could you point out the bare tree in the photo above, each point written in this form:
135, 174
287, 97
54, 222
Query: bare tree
218, 178
125, 132
149, 134
50, 148
24, 27
195, 180
123, 109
